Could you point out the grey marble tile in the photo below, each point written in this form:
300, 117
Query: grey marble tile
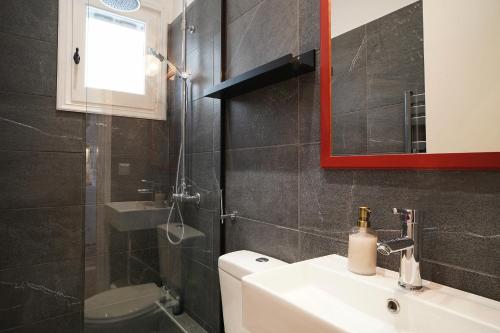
236, 8
217, 325
33, 19
217, 126
169, 261
349, 51
34, 293
124, 186
385, 126
34, 236
136, 267
203, 176
117, 241
61, 324
268, 239
36, 60
200, 130
197, 293
262, 184
130, 136
349, 71
268, 116
399, 31
40, 179
159, 144
467, 280
460, 221
382, 190
199, 250
463, 249
97, 128
309, 106
99, 170
217, 230
174, 162
389, 76
217, 58
205, 16
29, 122
254, 39
174, 113
395, 59
218, 169
313, 246
309, 25
325, 197
175, 40
200, 64
143, 239
349, 133
461, 201
90, 225
144, 266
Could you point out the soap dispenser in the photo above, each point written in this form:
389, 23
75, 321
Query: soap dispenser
362, 251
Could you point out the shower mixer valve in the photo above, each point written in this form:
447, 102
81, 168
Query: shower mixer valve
184, 196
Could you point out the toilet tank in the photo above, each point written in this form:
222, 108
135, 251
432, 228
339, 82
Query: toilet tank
232, 268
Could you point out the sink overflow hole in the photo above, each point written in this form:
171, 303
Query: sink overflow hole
262, 259
392, 305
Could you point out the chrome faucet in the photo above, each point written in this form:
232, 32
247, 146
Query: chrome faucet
408, 245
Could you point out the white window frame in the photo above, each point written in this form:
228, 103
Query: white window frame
72, 95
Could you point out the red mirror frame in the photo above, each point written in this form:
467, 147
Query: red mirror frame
394, 161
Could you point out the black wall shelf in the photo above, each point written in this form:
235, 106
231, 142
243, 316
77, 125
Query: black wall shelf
281, 69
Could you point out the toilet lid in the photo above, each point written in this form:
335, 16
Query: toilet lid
117, 303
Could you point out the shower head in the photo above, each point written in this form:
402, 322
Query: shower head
174, 70
123, 5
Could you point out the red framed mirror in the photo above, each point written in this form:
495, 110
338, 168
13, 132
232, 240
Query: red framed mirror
433, 158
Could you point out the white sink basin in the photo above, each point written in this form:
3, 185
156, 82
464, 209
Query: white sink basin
321, 295
135, 215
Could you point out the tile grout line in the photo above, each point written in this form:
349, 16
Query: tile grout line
13, 328
267, 223
21, 36
459, 268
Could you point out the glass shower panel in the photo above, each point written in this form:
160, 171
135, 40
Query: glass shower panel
151, 246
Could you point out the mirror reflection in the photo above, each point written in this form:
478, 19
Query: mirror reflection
414, 76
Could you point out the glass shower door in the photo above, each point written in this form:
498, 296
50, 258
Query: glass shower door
148, 267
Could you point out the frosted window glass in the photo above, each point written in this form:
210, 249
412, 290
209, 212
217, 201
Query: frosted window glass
115, 52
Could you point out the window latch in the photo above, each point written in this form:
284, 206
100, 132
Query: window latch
76, 56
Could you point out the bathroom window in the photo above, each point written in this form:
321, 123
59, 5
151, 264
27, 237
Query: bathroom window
113, 43
114, 73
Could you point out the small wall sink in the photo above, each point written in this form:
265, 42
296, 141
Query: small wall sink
320, 295
135, 215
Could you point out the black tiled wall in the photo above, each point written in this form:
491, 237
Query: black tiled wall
41, 178
292, 209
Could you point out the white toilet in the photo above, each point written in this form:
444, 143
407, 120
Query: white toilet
126, 310
133, 309
232, 268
